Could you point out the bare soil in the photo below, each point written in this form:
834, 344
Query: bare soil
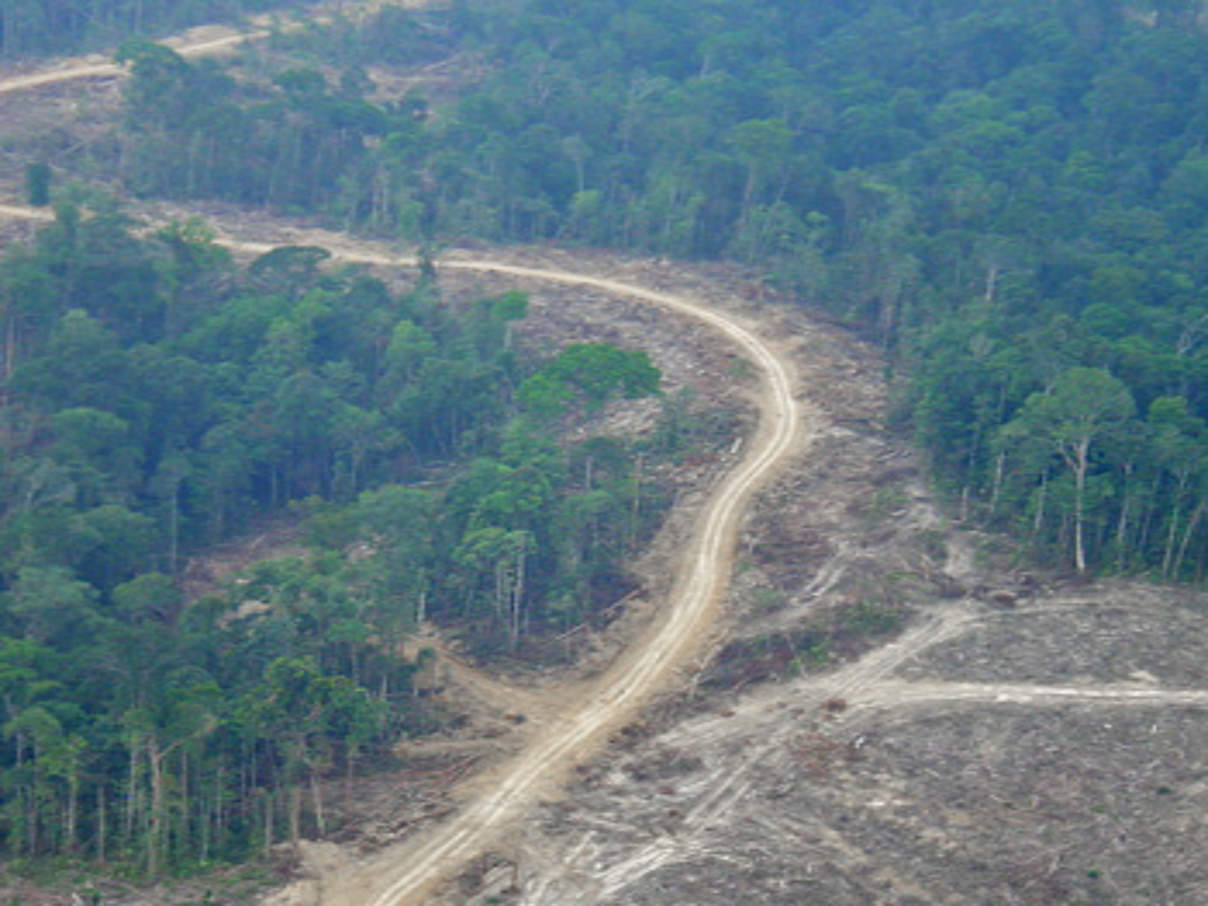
1113, 633
856, 786
1046, 752
208, 572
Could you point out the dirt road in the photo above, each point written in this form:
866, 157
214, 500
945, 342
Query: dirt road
589, 872
404, 874
197, 42
651, 662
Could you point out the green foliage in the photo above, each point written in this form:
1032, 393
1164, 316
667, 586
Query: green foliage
593, 371
37, 184
160, 399
1032, 204
192, 131
1011, 200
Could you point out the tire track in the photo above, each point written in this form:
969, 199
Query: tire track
870, 695
895, 694
728, 788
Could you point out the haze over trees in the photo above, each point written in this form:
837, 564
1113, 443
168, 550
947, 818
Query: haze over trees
63, 26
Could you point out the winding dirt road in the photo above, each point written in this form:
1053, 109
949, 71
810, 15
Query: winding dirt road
650, 663
405, 874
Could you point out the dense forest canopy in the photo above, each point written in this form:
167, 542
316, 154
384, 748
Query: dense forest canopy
1012, 199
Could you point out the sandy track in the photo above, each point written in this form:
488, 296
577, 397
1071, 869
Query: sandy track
72, 73
412, 869
727, 788
650, 663
20, 212
197, 42
405, 874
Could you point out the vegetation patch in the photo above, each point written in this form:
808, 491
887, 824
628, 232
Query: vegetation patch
159, 400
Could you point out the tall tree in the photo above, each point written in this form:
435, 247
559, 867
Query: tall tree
1083, 406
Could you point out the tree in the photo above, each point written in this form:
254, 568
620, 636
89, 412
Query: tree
83, 365
37, 184
763, 147
1083, 406
175, 711
297, 709
1177, 444
53, 607
398, 523
597, 370
493, 564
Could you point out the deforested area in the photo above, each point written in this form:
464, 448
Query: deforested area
658, 452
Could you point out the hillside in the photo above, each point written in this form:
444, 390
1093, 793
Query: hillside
990, 291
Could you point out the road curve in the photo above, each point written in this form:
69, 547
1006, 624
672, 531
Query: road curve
645, 668
415, 867
648, 665
642, 669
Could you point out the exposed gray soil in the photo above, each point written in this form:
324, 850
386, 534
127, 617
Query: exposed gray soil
1015, 805
1115, 634
777, 798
